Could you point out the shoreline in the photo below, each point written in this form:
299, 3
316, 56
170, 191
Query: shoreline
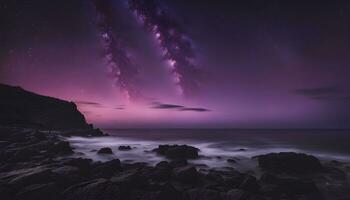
39, 163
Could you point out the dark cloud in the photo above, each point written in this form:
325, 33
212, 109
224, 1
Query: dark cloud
88, 103
319, 91
323, 93
195, 109
158, 105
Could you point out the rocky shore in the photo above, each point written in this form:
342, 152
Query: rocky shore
42, 165
37, 163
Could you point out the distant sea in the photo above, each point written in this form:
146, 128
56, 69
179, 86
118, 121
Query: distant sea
218, 145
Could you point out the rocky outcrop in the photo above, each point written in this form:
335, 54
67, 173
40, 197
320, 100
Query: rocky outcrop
105, 150
26, 109
124, 148
177, 151
289, 162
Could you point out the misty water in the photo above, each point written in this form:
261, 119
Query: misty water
216, 146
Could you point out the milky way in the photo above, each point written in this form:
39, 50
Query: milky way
175, 45
121, 67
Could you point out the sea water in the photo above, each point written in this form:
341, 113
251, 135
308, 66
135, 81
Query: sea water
217, 145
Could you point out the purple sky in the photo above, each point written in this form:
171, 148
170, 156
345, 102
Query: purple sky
266, 64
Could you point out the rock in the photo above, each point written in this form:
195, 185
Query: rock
250, 184
67, 175
26, 109
178, 163
23, 154
241, 149
168, 191
162, 171
283, 185
187, 174
129, 179
289, 162
177, 151
106, 169
24, 177
232, 161
61, 148
100, 189
7, 192
39, 192
235, 194
203, 194
105, 150
124, 148
83, 164
163, 164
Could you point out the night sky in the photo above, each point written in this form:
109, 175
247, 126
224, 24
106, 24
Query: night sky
253, 64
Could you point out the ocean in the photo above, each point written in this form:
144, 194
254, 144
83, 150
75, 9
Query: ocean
218, 145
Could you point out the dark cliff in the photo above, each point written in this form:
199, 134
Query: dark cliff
19, 107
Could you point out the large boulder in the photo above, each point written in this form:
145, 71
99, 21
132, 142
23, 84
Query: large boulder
177, 151
289, 162
105, 150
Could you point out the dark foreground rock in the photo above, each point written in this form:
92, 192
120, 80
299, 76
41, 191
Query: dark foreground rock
290, 162
49, 171
177, 151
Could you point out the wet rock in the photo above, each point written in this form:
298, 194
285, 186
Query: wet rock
6, 192
249, 183
162, 171
67, 175
163, 164
129, 179
231, 161
168, 191
124, 148
178, 163
203, 194
105, 150
177, 151
39, 192
186, 174
276, 185
83, 164
235, 194
289, 162
106, 169
23, 177
61, 148
242, 149
100, 189
23, 154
